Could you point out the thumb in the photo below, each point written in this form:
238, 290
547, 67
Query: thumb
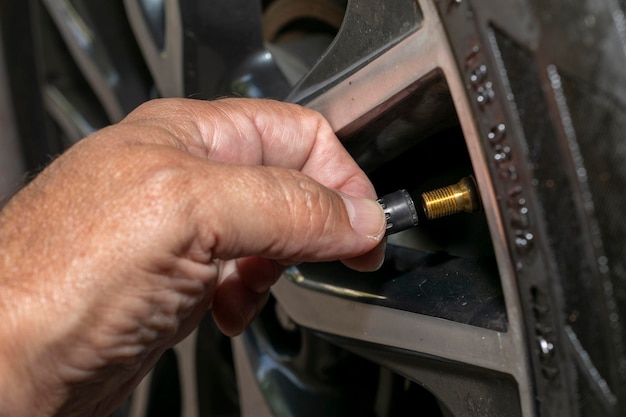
283, 215
266, 214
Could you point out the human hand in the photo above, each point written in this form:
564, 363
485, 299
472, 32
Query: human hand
116, 251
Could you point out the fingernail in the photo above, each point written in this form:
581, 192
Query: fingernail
366, 216
379, 252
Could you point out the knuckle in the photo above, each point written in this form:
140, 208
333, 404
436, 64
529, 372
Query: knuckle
160, 188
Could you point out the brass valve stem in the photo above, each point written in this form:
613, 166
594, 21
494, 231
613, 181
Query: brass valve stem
457, 198
401, 211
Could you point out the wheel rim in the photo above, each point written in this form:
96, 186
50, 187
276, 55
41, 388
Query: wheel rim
398, 70
404, 61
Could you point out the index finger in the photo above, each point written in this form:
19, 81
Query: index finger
263, 132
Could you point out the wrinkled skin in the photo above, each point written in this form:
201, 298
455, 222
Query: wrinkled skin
117, 250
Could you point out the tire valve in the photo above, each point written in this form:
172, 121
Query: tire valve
401, 212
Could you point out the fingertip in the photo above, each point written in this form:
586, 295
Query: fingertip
369, 262
235, 306
259, 274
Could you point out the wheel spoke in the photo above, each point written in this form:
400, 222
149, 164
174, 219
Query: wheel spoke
141, 398
88, 52
187, 367
432, 336
251, 399
442, 339
162, 52
71, 113
393, 73
112, 74
366, 33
